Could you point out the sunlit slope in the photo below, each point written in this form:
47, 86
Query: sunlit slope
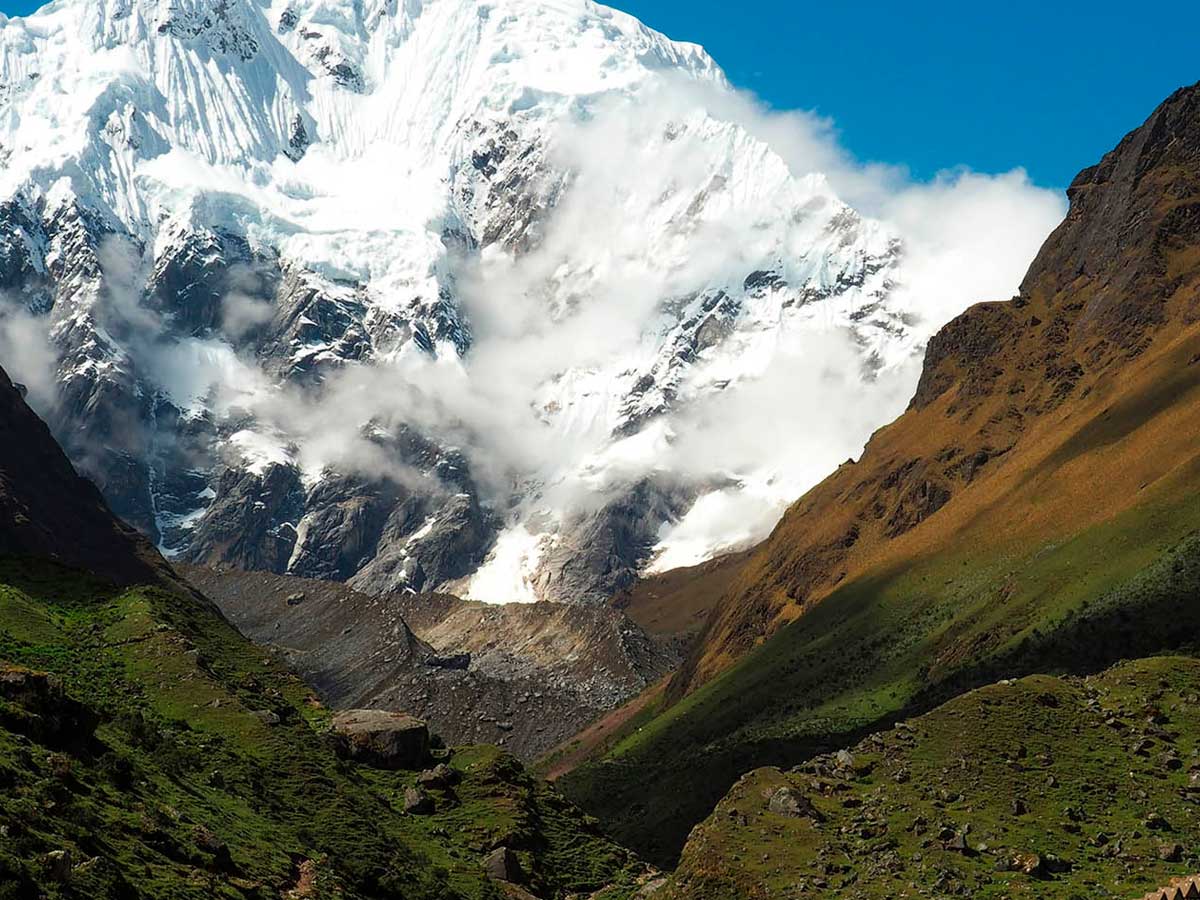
902, 640
1021, 404
1033, 510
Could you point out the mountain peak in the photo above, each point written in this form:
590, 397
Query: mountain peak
1130, 216
412, 222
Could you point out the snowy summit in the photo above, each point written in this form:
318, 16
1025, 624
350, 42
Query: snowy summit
506, 297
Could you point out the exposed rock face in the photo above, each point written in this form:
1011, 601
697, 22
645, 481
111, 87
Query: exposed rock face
48, 511
378, 534
525, 676
450, 544
602, 552
251, 521
381, 739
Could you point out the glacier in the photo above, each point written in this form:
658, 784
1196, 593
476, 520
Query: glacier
490, 296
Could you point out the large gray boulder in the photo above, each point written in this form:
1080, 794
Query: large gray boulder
381, 739
502, 864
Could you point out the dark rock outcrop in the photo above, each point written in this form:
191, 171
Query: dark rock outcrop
251, 522
601, 553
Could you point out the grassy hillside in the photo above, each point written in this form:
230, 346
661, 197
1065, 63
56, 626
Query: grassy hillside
1043, 788
209, 774
901, 642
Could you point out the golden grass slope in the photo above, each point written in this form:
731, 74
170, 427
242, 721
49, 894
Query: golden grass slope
1034, 418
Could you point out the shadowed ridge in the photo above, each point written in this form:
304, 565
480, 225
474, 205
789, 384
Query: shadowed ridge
48, 511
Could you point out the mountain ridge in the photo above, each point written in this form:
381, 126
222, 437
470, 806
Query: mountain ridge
48, 511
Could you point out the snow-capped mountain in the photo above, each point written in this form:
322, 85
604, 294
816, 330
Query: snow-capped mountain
420, 293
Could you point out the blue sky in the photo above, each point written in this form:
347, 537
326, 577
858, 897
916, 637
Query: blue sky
1047, 86
1050, 86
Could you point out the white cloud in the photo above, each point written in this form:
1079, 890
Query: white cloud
26, 354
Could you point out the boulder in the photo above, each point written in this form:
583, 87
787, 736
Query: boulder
786, 802
459, 661
57, 865
1156, 822
381, 739
439, 777
1029, 863
1170, 852
209, 842
417, 802
503, 865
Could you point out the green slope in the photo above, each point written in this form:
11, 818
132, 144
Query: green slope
898, 644
1043, 787
209, 774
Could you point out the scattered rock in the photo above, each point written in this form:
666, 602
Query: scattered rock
295, 599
